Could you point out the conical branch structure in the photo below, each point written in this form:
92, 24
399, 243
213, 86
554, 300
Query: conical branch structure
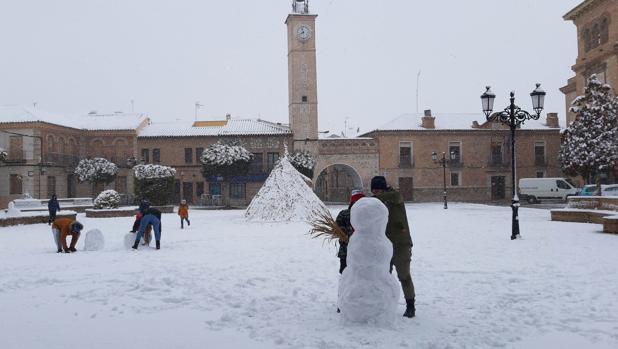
285, 196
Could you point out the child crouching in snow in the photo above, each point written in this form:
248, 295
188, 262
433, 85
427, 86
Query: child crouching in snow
183, 212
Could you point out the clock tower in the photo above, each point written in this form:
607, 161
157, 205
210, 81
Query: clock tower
302, 81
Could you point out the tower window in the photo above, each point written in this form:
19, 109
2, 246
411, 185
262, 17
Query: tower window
304, 99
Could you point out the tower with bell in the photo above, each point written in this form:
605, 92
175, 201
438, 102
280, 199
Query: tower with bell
302, 80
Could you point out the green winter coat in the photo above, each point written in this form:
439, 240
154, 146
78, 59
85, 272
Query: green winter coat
397, 229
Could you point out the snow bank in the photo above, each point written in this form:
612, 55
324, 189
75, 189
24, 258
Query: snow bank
285, 196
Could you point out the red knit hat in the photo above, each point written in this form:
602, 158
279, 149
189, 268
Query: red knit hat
356, 195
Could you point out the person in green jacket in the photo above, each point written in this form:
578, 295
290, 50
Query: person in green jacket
398, 232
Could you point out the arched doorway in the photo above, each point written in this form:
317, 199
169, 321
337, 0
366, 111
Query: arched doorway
335, 182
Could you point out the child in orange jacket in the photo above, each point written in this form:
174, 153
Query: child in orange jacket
183, 212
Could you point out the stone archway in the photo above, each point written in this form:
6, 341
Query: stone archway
335, 182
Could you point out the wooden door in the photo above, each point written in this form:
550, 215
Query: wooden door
498, 189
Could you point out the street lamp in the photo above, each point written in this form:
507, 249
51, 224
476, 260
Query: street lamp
514, 117
443, 161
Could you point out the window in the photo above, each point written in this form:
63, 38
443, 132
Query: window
188, 156
16, 148
51, 186
562, 184
272, 159
156, 155
405, 154
146, 156
455, 179
199, 189
454, 149
214, 188
496, 153
256, 166
15, 184
304, 99
198, 154
540, 174
539, 153
237, 190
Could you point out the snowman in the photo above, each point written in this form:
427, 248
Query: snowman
368, 293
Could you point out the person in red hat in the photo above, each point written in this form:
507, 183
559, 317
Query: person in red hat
343, 221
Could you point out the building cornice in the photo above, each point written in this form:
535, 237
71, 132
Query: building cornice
581, 9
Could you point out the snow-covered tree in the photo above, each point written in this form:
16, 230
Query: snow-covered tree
107, 199
225, 160
303, 162
154, 183
3, 155
590, 144
96, 171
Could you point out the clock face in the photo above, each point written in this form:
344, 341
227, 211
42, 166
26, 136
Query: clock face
303, 32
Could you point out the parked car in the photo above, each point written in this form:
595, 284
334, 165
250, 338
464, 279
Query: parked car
588, 190
533, 190
609, 190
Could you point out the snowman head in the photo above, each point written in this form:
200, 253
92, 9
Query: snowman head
369, 216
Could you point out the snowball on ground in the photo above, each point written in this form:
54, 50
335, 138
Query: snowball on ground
284, 196
94, 240
368, 293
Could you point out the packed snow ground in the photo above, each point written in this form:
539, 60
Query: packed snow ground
225, 282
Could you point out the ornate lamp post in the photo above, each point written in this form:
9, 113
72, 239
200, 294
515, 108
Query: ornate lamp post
443, 161
514, 117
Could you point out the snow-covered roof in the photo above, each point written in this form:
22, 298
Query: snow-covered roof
450, 121
90, 121
232, 127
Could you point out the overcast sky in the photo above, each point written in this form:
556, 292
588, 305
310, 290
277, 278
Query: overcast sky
82, 55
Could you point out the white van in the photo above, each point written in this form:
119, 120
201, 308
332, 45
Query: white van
533, 190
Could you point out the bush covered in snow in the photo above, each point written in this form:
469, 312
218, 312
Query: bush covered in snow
225, 160
303, 162
154, 183
590, 144
3, 154
107, 199
97, 170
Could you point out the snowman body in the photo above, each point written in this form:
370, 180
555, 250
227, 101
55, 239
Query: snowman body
368, 292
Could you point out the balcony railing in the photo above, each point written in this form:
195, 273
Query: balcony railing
65, 160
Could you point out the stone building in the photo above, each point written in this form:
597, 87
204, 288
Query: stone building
597, 48
43, 149
180, 146
478, 157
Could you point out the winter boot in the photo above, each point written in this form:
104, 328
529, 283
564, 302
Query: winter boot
410, 308
158, 245
59, 250
188, 222
72, 249
135, 245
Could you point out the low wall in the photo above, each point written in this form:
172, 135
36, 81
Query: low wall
117, 212
579, 215
34, 219
610, 224
609, 203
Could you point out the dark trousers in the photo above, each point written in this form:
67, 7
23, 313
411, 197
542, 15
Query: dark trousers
182, 220
52, 216
342, 264
402, 256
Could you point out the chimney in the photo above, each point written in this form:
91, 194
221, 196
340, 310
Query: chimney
475, 124
552, 120
228, 117
428, 120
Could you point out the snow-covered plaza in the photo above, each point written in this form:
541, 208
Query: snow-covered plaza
227, 283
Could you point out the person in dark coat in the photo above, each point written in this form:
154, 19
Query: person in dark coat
343, 221
143, 206
52, 206
152, 216
398, 232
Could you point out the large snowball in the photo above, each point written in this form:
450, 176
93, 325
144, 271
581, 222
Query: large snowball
368, 293
129, 240
94, 240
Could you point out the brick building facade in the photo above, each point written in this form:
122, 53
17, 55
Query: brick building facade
597, 48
